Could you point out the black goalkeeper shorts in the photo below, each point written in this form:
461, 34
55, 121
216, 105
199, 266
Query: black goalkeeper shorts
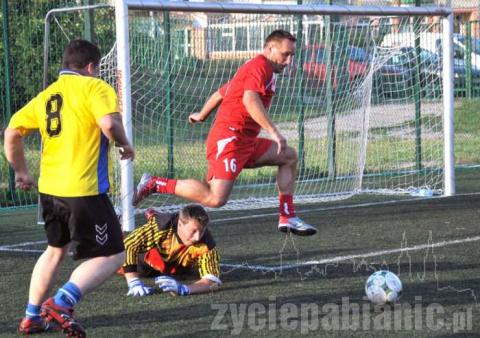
89, 221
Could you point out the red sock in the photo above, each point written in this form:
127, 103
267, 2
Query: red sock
286, 206
165, 185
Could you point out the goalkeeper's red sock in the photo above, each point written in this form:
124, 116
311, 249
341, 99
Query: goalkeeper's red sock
165, 185
287, 209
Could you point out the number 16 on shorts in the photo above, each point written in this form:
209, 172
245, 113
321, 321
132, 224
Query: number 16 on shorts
230, 165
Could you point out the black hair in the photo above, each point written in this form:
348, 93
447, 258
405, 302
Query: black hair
79, 53
279, 35
196, 212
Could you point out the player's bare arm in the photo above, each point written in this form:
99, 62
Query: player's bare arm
131, 275
112, 127
16, 157
254, 106
203, 285
213, 102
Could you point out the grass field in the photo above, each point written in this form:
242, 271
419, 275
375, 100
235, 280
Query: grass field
270, 289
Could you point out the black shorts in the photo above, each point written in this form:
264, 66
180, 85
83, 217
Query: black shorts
90, 222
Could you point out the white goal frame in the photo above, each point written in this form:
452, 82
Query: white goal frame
123, 66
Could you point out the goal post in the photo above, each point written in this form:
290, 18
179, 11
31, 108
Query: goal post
448, 121
357, 125
125, 100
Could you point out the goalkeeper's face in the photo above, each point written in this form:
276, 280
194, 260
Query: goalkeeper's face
190, 231
280, 54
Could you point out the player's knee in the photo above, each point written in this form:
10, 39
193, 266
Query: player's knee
56, 255
291, 156
216, 202
118, 259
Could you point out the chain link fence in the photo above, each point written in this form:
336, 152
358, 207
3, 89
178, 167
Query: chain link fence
21, 66
21, 50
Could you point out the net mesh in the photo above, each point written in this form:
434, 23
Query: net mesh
364, 114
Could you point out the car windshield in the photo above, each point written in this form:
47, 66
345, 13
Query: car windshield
355, 54
407, 57
475, 43
476, 46
398, 60
428, 57
358, 54
319, 55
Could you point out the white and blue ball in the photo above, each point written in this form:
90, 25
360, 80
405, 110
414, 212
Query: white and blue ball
383, 287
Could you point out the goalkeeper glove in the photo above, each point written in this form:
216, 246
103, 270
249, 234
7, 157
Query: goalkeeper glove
137, 288
169, 284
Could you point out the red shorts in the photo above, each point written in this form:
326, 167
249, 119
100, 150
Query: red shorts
228, 153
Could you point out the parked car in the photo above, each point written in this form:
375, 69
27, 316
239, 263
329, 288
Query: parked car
315, 65
432, 65
394, 77
397, 75
432, 42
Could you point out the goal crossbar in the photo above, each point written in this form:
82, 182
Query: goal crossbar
217, 7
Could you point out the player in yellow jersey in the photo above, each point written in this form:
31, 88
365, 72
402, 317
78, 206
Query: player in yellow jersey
77, 117
168, 244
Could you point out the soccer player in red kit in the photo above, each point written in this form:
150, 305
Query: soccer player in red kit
233, 142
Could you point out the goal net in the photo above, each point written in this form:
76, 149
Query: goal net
362, 103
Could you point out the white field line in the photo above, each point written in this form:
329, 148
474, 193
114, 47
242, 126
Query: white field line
337, 259
338, 207
17, 247
350, 257
20, 250
22, 244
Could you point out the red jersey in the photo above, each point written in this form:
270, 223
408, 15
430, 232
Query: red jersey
257, 75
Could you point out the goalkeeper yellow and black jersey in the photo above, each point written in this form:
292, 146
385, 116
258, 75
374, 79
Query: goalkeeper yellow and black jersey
159, 237
74, 160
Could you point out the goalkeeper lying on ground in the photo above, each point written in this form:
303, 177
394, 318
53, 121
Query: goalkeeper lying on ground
168, 244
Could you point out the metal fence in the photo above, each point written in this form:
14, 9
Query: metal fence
21, 66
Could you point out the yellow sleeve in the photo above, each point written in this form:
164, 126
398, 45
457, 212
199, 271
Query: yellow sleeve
25, 120
209, 264
139, 241
103, 99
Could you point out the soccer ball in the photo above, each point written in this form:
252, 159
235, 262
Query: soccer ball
383, 287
